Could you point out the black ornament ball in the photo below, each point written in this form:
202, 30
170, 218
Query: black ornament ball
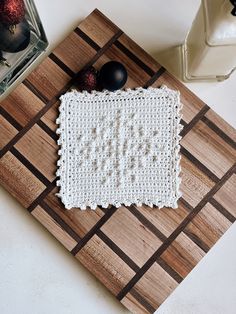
16, 38
113, 75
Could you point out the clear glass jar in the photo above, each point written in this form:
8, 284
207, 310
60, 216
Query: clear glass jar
19, 61
209, 50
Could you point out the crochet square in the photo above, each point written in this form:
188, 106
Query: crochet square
119, 148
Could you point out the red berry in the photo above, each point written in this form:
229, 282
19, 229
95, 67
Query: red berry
11, 11
87, 79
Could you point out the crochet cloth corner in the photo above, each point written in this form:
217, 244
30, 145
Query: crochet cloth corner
119, 148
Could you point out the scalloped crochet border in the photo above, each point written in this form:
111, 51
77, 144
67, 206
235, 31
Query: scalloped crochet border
116, 203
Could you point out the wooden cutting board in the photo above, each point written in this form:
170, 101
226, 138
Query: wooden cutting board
139, 254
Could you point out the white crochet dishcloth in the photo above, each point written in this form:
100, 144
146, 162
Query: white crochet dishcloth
119, 148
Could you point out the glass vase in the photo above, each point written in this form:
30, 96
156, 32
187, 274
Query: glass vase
18, 62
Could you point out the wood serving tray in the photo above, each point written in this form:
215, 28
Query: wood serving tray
140, 254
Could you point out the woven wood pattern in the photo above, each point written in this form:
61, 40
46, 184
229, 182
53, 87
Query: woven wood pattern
139, 254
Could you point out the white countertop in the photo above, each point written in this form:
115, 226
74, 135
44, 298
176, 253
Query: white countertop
37, 275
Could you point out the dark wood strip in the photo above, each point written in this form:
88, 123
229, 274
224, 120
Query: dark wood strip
197, 241
212, 192
174, 234
147, 223
155, 77
117, 250
41, 196
86, 66
60, 221
215, 188
28, 126
199, 165
87, 39
185, 204
50, 132
54, 99
195, 120
222, 210
134, 58
219, 132
142, 301
102, 50
10, 119
61, 64
29, 166
103, 209
34, 90
169, 270
99, 53
183, 122
93, 230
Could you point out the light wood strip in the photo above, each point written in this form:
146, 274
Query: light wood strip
219, 131
10, 119
60, 221
146, 223
134, 305
169, 270
18, 180
50, 116
219, 156
98, 27
36, 91
41, 196
117, 250
226, 195
87, 39
142, 55
188, 127
41, 150
7, 132
22, 104
61, 64
154, 78
182, 255
134, 58
24, 130
94, 229
54, 228
30, 166
207, 227
48, 78
195, 184
47, 130
80, 221
222, 210
143, 301
199, 165
164, 219
221, 124
135, 240
155, 286
74, 52
105, 264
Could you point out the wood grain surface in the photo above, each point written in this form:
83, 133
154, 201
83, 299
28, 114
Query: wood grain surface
140, 254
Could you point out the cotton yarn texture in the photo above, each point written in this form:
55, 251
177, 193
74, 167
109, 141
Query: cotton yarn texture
119, 148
